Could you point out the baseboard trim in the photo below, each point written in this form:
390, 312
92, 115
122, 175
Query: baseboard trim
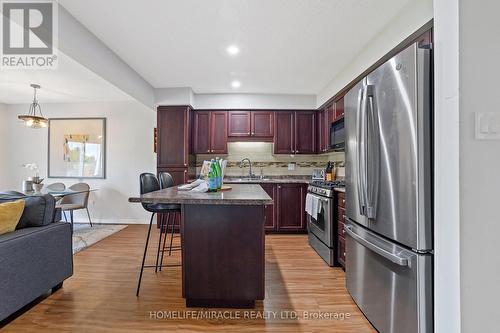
113, 221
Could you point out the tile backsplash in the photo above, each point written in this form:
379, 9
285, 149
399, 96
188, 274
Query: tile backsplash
263, 160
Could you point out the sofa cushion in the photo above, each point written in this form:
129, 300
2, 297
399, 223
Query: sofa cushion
39, 210
10, 214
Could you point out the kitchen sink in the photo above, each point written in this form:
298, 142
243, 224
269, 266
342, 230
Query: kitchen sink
244, 180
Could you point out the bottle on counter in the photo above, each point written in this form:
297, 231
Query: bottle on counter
212, 177
218, 173
329, 171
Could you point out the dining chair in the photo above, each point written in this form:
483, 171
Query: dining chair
76, 201
56, 187
166, 181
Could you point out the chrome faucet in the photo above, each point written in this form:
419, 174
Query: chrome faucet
250, 174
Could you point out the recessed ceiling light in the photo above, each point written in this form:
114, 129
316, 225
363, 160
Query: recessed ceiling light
235, 84
233, 50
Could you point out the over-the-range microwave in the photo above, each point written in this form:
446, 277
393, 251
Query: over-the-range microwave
337, 135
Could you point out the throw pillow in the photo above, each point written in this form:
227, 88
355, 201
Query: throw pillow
10, 213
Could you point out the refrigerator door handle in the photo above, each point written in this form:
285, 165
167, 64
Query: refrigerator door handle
380, 251
360, 153
373, 154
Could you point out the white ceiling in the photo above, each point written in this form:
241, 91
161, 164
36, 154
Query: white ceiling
69, 82
287, 46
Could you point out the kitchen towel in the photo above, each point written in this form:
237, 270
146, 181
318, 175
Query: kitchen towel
313, 205
203, 187
190, 186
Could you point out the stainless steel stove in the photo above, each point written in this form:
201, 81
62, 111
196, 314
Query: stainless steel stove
322, 229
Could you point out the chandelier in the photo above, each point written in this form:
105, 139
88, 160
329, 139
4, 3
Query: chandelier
32, 119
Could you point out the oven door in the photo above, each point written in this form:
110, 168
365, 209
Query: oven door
321, 226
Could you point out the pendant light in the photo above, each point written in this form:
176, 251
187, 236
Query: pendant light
32, 119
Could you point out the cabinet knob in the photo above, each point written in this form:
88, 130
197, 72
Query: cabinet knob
297, 151
344, 254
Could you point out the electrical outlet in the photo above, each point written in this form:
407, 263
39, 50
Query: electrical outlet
487, 125
291, 166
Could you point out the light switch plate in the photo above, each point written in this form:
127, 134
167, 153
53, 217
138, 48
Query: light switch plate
291, 166
487, 125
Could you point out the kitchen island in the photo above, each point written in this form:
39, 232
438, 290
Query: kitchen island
222, 244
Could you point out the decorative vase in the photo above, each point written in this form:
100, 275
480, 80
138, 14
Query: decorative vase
27, 186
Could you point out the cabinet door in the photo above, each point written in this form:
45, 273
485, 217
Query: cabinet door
172, 136
305, 132
339, 109
218, 132
319, 132
180, 175
262, 124
239, 123
284, 132
291, 207
201, 135
270, 209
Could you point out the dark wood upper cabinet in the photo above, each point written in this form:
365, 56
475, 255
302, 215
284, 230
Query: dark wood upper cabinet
305, 132
201, 132
262, 123
239, 123
218, 132
339, 109
320, 139
173, 136
210, 132
291, 207
250, 124
284, 132
295, 132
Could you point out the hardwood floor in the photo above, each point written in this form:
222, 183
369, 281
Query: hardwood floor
100, 297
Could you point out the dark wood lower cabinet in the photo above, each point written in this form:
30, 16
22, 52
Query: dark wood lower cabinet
270, 209
291, 214
287, 213
180, 175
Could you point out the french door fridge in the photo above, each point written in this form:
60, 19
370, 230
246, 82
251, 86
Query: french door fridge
389, 260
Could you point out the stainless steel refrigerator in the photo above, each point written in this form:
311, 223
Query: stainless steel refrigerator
389, 242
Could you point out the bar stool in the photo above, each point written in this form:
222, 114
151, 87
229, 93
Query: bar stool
167, 181
149, 183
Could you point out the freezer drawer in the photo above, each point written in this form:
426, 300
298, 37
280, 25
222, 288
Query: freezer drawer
390, 284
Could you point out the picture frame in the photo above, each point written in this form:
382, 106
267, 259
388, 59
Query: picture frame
76, 148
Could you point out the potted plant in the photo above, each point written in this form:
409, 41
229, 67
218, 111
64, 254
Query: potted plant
35, 179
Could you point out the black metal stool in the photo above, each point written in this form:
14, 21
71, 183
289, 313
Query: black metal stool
167, 181
149, 183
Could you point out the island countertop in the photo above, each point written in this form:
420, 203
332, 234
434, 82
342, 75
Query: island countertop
240, 194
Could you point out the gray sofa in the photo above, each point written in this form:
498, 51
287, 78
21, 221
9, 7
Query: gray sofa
34, 258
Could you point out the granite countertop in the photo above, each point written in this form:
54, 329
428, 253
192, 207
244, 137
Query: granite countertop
240, 194
340, 189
